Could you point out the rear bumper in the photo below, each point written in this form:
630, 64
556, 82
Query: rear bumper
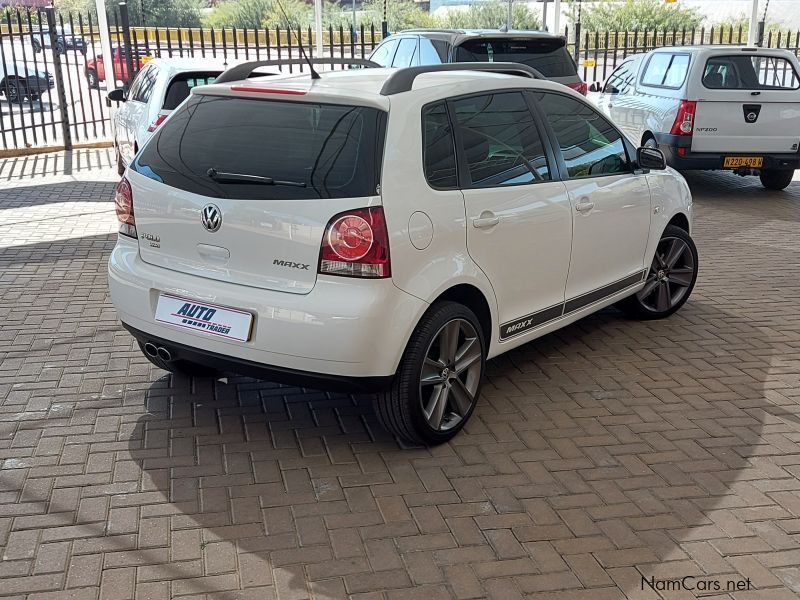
710, 161
277, 374
342, 329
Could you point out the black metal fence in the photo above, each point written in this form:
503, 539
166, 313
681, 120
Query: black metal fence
55, 81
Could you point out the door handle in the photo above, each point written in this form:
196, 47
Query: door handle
584, 206
486, 219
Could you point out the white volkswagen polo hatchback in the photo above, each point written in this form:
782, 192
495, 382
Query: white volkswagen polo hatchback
389, 230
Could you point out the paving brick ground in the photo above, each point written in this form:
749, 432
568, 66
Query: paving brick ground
609, 452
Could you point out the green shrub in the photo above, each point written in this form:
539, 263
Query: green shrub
631, 15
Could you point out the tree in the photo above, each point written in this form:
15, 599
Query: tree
491, 14
631, 15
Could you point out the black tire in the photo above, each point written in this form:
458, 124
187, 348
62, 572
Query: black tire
14, 91
91, 78
179, 367
642, 305
400, 408
60, 48
120, 164
37, 47
776, 179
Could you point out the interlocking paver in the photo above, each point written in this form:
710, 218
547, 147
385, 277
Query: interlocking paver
606, 452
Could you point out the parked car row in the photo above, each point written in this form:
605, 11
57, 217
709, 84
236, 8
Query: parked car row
388, 230
391, 229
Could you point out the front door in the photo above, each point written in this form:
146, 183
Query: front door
519, 226
610, 203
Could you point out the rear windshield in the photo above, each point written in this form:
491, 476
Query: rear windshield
549, 56
181, 86
742, 72
253, 149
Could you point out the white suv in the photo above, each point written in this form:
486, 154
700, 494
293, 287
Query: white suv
389, 230
712, 107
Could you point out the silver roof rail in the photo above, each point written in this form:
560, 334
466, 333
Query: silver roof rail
402, 80
244, 70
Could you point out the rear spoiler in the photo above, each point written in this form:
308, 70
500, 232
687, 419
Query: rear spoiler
244, 70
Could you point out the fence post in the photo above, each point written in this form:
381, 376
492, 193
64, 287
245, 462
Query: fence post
126, 40
384, 23
760, 38
59, 75
577, 50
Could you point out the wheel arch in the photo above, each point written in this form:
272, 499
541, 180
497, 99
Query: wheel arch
474, 299
681, 221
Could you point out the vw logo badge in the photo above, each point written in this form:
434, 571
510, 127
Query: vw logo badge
751, 117
211, 217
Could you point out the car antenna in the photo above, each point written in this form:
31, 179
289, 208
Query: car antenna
314, 74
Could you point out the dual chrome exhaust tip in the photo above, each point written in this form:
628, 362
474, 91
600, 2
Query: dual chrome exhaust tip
158, 352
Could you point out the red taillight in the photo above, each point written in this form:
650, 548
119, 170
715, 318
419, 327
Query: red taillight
159, 120
579, 87
123, 203
684, 120
356, 244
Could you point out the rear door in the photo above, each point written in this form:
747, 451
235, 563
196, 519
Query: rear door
747, 103
240, 190
519, 227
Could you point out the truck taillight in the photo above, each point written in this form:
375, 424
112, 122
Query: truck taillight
123, 203
159, 120
684, 120
579, 87
356, 244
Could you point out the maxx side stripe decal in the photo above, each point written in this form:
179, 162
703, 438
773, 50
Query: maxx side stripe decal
524, 324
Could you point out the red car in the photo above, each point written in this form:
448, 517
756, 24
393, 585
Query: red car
96, 71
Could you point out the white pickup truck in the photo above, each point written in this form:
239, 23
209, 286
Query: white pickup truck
711, 107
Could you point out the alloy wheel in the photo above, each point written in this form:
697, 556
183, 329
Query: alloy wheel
670, 276
451, 374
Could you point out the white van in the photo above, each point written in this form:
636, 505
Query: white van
712, 107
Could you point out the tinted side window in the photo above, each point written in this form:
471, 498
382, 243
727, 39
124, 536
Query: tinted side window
500, 141
590, 145
619, 82
439, 153
148, 82
182, 84
405, 52
666, 70
383, 54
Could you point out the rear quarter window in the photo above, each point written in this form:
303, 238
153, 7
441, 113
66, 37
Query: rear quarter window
181, 86
743, 72
306, 150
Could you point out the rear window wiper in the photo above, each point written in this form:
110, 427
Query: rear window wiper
222, 177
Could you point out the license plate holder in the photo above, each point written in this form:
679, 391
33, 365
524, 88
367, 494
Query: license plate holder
204, 318
733, 162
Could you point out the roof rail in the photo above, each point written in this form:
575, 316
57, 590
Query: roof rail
244, 70
402, 80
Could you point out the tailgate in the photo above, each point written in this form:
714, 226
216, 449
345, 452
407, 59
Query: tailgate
747, 125
748, 102
241, 190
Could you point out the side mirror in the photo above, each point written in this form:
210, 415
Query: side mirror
117, 95
651, 158
595, 87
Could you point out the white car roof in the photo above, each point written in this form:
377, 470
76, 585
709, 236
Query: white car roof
718, 49
173, 66
363, 86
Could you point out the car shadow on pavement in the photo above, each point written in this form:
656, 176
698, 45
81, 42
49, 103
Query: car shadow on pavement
604, 454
